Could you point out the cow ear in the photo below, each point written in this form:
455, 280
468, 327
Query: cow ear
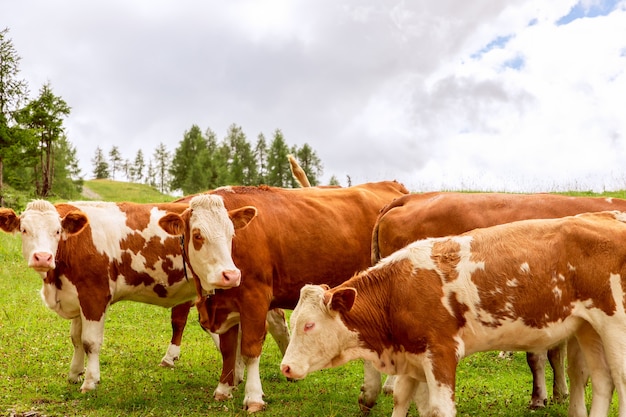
342, 300
9, 221
172, 223
74, 222
241, 217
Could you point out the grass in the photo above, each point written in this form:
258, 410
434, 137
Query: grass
35, 352
110, 190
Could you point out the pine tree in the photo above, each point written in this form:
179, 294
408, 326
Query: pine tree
13, 91
279, 172
161, 166
100, 165
43, 116
115, 159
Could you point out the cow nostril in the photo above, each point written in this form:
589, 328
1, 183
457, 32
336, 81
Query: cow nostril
230, 276
286, 370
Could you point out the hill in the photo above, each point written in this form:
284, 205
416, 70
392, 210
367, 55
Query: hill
109, 190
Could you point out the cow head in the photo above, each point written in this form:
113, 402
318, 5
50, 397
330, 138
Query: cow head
42, 228
208, 230
319, 338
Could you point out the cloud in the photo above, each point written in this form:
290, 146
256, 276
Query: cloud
513, 95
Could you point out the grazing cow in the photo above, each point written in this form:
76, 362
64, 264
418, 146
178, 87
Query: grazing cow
418, 216
93, 254
305, 235
527, 285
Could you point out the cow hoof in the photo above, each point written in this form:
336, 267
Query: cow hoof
366, 405
167, 364
218, 396
560, 398
255, 407
86, 387
537, 404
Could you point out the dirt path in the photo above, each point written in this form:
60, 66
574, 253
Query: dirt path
90, 194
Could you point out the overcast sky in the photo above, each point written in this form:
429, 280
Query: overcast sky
509, 95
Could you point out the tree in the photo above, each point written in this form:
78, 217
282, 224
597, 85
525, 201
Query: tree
243, 170
44, 117
13, 91
162, 165
333, 181
100, 165
185, 171
115, 158
136, 169
260, 153
279, 172
68, 183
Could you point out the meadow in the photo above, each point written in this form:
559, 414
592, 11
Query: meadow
35, 352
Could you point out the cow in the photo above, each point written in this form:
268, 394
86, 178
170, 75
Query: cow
297, 234
527, 285
437, 214
93, 254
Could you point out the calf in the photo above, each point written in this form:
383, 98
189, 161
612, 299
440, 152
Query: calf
298, 233
437, 214
93, 254
527, 285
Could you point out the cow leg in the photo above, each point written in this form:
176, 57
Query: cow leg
253, 401
389, 384
179, 316
601, 381
578, 376
253, 331
370, 389
77, 367
228, 349
92, 337
537, 364
404, 391
556, 356
277, 326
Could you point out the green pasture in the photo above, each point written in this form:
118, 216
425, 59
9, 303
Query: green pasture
35, 353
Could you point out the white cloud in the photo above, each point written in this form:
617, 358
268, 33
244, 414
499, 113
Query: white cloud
486, 94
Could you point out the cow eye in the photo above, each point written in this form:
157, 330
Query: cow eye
58, 232
197, 236
309, 326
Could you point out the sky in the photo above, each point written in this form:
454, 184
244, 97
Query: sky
492, 95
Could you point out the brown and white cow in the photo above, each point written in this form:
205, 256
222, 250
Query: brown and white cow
300, 236
527, 285
437, 214
93, 254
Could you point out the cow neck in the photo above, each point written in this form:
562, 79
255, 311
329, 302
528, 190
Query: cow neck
199, 288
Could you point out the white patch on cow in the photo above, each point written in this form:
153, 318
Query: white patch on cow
512, 282
311, 348
618, 292
212, 263
463, 288
419, 253
64, 302
41, 231
524, 268
108, 226
609, 199
571, 267
620, 215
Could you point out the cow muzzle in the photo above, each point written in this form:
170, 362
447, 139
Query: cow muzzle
230, 278
42, 261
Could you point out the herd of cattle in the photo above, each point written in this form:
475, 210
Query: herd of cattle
412, 283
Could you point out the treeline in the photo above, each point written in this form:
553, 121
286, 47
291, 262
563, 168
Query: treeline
202, 161
37, 159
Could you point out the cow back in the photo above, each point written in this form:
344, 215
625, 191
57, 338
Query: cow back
437, 214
